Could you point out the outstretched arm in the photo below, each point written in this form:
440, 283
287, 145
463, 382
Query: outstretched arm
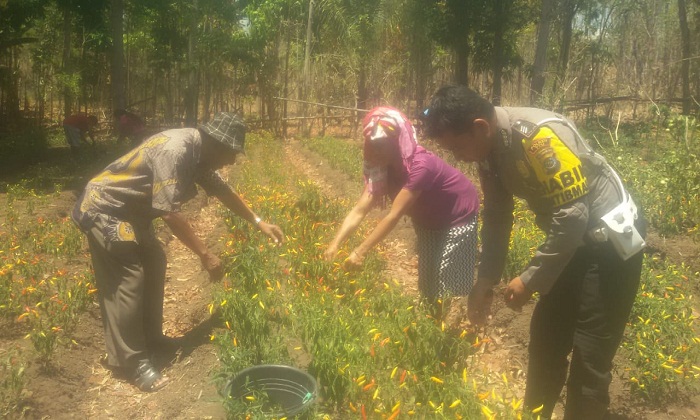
234, 203
351, 222
403, 201
184, 232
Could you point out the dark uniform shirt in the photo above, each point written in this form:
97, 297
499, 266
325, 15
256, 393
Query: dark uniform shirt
564, 183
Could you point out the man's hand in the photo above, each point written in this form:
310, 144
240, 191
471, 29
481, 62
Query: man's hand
479, 302
516, 294
213, 265
354, 261
273, 231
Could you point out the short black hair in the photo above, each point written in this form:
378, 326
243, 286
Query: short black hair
119, 112
453, 108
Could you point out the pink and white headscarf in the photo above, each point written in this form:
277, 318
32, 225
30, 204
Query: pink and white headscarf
382, 123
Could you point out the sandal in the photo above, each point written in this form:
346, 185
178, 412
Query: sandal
147, 378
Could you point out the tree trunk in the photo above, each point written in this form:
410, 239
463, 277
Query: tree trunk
307, 67
540, 63
362, 87
12, 105
192, 91
207, 81
422, 72
66, 61
285, 89
118, 73
685, 47
567, 23
499, 26
461, 75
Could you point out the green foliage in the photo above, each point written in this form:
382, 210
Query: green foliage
12, 381
342, 155
26, 144
661, 343
525, 238
668, 186
373, 348
659, 165
38, 296
16, 17
682, 128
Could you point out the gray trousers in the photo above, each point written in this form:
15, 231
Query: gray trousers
130, 281
74, 136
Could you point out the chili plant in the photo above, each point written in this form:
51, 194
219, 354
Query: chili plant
375, 350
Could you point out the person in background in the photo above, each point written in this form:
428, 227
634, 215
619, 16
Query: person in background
440, 200
116, 211
587, 276
76, 128
129, 125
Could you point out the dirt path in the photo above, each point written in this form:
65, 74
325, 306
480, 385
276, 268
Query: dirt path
191, 393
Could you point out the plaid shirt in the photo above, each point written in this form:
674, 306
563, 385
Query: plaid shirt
154, 178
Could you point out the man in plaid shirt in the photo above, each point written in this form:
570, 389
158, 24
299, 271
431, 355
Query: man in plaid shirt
116, 211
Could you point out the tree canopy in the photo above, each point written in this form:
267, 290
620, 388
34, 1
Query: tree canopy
182, 61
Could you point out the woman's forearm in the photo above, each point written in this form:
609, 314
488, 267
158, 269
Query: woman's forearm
386, 225
350, 224
353, 219
403, 201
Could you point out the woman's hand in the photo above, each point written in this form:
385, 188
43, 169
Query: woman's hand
330, 253
479, 302
273, 231
354, 261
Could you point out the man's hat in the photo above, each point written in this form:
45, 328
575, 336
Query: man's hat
228, 129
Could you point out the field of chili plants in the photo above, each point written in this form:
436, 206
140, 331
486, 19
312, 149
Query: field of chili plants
661, 346
42, 293
375, 351
660, 165
341, 155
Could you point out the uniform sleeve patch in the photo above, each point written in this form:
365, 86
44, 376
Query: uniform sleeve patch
557, 168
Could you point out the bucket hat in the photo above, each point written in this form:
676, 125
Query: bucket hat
228, 129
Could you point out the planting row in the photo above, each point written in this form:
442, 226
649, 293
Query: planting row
661, 342
42, 291
375, 351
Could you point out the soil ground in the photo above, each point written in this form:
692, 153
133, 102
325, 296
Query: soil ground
77, 385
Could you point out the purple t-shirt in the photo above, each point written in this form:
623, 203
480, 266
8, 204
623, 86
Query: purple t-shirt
448, 199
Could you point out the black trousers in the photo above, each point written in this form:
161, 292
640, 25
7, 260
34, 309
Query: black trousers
584, 314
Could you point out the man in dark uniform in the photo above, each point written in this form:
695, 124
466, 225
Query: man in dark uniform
587, 270
116, 211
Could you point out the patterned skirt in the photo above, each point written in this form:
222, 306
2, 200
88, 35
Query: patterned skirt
446, 260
